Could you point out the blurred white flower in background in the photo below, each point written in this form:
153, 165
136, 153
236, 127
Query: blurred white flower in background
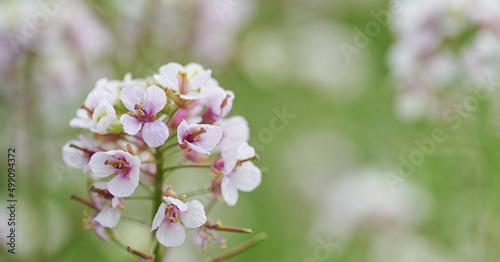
406, 247
362, 199
439, 45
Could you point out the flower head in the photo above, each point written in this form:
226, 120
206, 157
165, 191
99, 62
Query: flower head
187, 81
168, 220
122, 165
104, 91
144, 105
200, 138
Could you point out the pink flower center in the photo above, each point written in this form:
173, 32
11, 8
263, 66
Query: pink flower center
121, 165
171, 213
142, 115
195, 135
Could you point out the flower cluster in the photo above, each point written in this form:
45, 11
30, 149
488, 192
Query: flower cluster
133, 124
439, 45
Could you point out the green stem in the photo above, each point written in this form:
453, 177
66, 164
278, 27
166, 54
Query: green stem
170, 146
238, 249
158, 193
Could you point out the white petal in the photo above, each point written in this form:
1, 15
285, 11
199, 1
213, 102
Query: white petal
192, 95
130, 124
171, 234
121, 186
97, 165
168, 76
229, 191
131, 95
108, 217
195, 215
234, 129
200, 79
209, 139
74, 157
101, 185
82, 120
176, 202
247, 177
230, 156
154, 99
159, 217
245, 150
155, 133
116, 201
197, 148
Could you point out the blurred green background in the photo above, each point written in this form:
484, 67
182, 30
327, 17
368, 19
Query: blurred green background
275, 55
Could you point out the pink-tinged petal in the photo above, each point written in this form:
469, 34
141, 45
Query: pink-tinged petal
168, 76
197, 148
97, 164
99, 231
229, 191
193, 95
195, 215
171, 234
247, 177
155, 133
159, 217
132, 95
209, 139
130, 124
154, 99
176, 202
134, 162
108, 217
121, 186
182, 130
200, 79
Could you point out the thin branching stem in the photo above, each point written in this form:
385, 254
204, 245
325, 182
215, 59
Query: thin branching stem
238, 249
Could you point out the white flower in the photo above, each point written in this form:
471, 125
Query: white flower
104, 116
239, 173
168, 220
122, 165
200, 138
187, 81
